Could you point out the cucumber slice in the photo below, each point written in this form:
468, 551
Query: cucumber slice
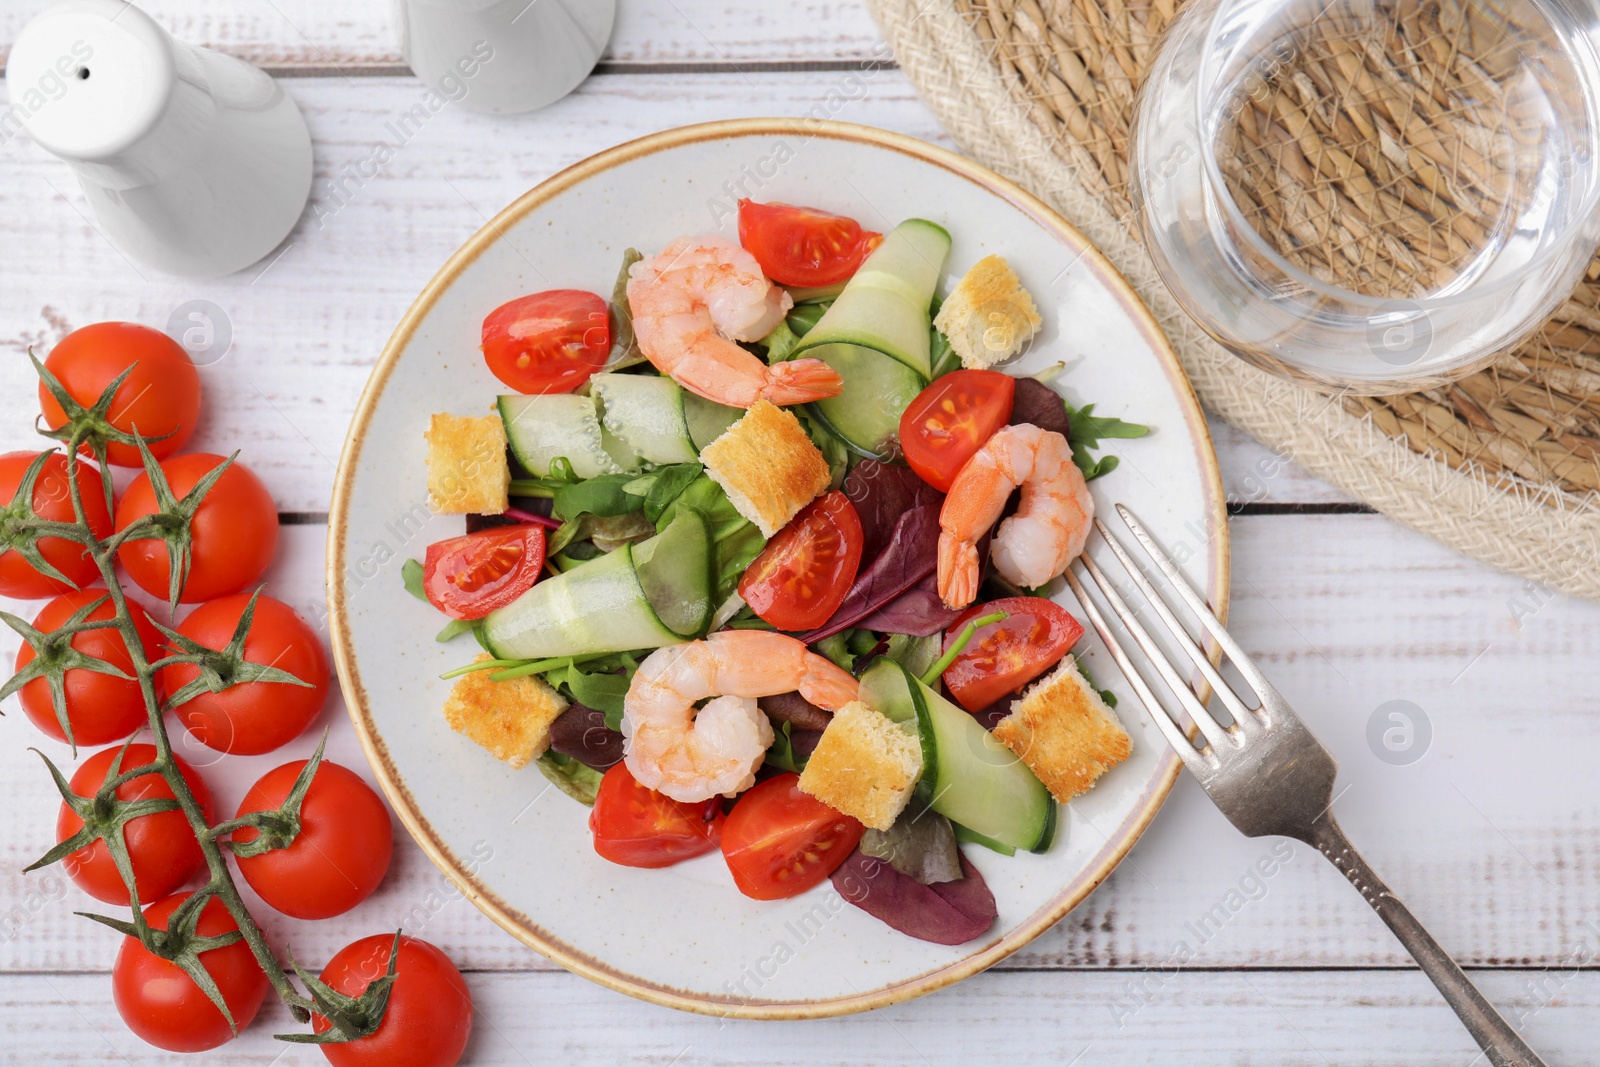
877, 391
598, 606
707, 419
974, 780
646, 411
884, 687
815, 295
675, 572
884, 307
542, 428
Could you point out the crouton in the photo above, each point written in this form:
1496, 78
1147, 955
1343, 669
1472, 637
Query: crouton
864, 766
767, 465
1064, 732
467, 468
510, 719
989, 316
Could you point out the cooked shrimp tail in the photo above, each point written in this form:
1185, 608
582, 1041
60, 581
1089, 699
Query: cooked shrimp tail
694, 300
1034, 545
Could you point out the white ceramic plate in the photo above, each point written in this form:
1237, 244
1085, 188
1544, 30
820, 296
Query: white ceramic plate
521, 851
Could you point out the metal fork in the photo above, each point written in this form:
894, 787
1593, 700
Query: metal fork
1265, 771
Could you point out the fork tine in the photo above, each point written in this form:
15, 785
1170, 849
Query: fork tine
1208, 621
1197, 761
1214, 731
1202, 662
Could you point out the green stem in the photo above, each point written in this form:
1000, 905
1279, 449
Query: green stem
959, 645
533, 487
480, 665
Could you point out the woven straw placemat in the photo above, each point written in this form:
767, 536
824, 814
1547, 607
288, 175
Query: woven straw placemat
1503, 465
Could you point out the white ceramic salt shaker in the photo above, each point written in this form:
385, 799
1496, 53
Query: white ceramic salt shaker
504, 56
193, 162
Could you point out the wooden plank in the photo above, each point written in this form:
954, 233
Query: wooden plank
307, 330
1197, 1018
356, 35
1488, 834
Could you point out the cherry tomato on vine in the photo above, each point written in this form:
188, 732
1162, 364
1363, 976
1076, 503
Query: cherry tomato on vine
164, 1006
469, 576
161, 847
235, 530
803, 246
779, 841
801, 577
429, 1015
1004, 656
548, 342
341, 853
253, 717
52, 500
160, 398
100, 707
637, 827
951, 419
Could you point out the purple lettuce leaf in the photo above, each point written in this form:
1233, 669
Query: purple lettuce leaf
912, 553
945, 913
882, 493
1041, 405
581, 733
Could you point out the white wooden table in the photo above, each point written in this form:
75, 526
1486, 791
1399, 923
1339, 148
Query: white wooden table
1493, 834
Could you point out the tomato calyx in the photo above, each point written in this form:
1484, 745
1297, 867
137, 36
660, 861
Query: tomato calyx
349, 1018
54, 656
104, 814
181, 943
219, 668
22, 528
90, 425
279, 827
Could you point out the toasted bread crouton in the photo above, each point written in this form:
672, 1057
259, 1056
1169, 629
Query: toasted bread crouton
864, 766
989, 316
467, 468
1064, 732
767, 465
511, 719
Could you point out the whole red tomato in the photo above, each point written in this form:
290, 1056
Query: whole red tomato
235, 530
341, 853
429, 1016
253, 717
100, 707
161, 847
52, 500
164, 1007
160, 397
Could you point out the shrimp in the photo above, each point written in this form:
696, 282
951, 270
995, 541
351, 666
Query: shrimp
694, 300
1046, 533
693, 756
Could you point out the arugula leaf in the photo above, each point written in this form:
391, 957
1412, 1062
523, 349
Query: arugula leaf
601, 691
411, 575
669, 484
1088, 430
603, 495
455, 628
781, 753
1105, 694
578, 780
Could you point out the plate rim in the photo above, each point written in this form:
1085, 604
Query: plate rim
522, 927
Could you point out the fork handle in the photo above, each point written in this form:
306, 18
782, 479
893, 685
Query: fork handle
1489, 1029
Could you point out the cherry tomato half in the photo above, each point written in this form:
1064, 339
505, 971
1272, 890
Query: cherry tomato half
164, 1007
429, 1014
1004, 656
780, 842
160, 397
341, 853
100, 707
233, 535
637, 827
253, 717
162, 848
469, 576
951, 419
802, 246
801, 577
549, 342
52, 500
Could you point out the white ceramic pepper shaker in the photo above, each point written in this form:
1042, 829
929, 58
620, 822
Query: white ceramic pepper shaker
193, 162
504, 56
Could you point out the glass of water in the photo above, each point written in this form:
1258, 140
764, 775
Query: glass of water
1373, 196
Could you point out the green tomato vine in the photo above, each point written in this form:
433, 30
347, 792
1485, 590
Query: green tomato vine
105, 814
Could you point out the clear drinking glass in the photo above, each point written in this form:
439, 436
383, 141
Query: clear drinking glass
1374, 196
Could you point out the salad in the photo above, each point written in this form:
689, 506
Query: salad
757, 555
